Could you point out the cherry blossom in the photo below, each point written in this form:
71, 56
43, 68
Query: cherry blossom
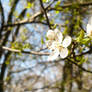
57, 45
89, 27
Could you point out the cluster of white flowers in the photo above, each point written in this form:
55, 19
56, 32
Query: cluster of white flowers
57, 44
89, 27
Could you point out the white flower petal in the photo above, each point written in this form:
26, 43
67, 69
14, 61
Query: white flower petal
89, 27
59, 36
56, 30
63, 53
89, 30
90, 21
54, 55
50, 35
48, 14
54, 45
67, 41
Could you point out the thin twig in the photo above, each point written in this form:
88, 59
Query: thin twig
85, 70
44, 10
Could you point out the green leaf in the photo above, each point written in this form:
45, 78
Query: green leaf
57, 4
67, 22
57, 12
42, 40
81, 36
27, 46
86, 41
29, 5
66, 10
65, 30
7, 62
28, 15
45, 1
46, 38
82, 59
75, 5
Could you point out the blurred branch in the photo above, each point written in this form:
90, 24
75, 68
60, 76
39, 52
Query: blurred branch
25, 21
30, 22
6, 36
85, 4
15, 2
87, 52
85, 70
25, 52
32, 19
46, 86
69, 60
44, 10
2, 17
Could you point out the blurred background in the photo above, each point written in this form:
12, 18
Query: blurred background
24, 65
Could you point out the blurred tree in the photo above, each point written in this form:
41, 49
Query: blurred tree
24, 64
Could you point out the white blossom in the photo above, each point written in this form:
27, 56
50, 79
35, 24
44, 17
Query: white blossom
89, 30
50, 35
53, 35
58, 45
89, 27
67, 41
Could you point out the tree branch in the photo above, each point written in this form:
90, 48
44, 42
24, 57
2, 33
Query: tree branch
25, 52
2, 18
44, 10
32, 19
85, 70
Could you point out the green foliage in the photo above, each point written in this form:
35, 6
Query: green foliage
57, 4
7, 62
21, 46
76, 12
16, 14
29, 5
46, 37
16, 45
67, 22
28, 15
57, 12
85, 41
81, 59
42, 40
10, 2
75, 5
41, 17
45, 1
81, 36
27, 46
66, 10
81, 39
65, 30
